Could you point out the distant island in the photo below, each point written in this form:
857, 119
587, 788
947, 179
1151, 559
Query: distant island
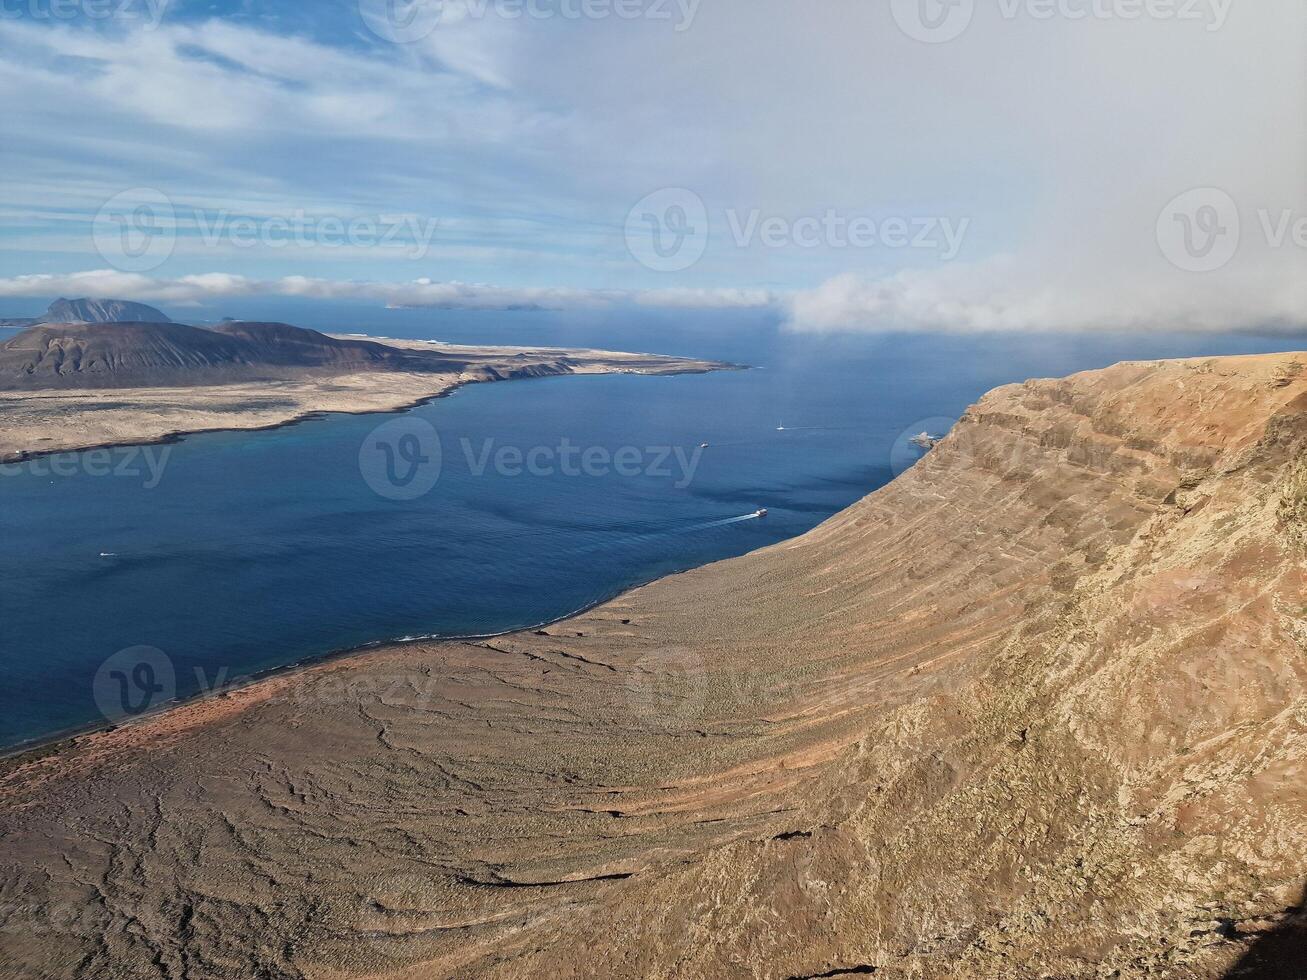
160, 379
157, 354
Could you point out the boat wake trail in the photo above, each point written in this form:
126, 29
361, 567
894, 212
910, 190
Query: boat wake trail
822, 428
721, 523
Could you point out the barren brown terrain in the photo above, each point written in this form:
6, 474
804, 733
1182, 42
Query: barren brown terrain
1036, 709
50, 420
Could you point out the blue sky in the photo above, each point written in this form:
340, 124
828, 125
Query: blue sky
824, 159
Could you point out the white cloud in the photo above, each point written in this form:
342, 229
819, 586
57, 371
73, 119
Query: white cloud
419, 293
1003, 296
704, 299
1061, 140
216, 77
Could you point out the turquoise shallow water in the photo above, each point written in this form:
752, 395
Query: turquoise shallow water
503, 506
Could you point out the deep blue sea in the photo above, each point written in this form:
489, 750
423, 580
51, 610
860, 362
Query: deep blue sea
128, 579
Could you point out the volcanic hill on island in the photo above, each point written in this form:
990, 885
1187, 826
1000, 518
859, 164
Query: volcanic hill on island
92, 311
171, 379
141, 354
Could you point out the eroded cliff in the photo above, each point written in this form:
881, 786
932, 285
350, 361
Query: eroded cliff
1036, 709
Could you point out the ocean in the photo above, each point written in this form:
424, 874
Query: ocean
174, 570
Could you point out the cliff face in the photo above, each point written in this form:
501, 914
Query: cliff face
1036, 709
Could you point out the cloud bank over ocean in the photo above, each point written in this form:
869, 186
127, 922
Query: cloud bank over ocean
421, 293
1140, 171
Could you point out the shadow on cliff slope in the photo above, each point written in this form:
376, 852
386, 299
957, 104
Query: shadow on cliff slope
1280, 954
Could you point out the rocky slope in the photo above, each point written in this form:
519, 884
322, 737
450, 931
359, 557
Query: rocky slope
1036, 709
93, 311
79, 355
102, 311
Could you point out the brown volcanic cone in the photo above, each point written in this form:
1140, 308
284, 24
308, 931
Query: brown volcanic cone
73, 355
1036, 709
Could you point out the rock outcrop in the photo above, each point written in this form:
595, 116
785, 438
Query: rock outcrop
102, 311
1036, 709
92, 311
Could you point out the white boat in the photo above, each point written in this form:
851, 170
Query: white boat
760, 512
703, 445
925, 440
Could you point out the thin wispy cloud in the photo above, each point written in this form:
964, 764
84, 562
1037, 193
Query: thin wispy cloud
1050, 150
421, 293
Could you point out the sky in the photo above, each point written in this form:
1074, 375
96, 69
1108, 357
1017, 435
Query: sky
959, 165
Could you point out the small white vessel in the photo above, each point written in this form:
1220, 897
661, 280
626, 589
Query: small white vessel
703, 445
925, 440
781, 427
760, 512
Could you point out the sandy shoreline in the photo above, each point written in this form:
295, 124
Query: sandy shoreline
394, 397
44, 422
56, 742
